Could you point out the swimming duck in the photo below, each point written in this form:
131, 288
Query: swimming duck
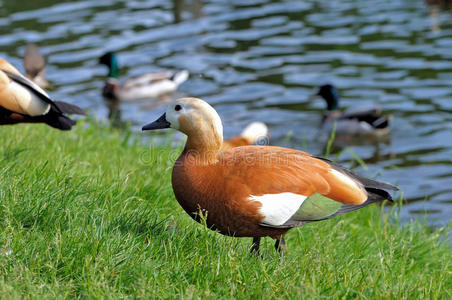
22, 101
356, 123
256, 191
252, 134
35, 66
151, 85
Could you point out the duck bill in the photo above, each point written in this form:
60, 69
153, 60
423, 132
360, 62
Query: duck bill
160, 123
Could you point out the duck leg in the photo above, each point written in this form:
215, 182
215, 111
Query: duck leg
280, 246
255, 245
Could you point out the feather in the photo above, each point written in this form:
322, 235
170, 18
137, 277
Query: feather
33, 87
367, 182
70, 109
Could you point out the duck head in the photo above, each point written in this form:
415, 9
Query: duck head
109, 59
195, 118
329, 93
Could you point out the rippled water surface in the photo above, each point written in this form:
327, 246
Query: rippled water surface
261, 60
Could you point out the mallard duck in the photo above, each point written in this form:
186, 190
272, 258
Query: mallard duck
252, 134
22, 101
151, 85
353, 123
35, 66
256, 191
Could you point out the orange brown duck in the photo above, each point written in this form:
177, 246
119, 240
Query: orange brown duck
23, 101
256, 191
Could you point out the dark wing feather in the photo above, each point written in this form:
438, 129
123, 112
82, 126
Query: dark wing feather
70, 109
367, 182
52, 118
373, 113
371, 116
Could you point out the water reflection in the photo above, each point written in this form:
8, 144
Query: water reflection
114, 113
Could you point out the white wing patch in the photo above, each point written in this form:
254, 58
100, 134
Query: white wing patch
278, 208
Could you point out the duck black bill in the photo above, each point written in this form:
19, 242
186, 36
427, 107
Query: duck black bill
160, 123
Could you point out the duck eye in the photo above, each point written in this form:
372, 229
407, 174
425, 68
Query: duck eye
177, 107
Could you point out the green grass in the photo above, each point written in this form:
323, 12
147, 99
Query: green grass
91, 214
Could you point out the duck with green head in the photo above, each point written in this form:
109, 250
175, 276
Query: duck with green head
150, 85
353, 123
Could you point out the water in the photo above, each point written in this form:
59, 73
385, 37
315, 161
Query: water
262, 60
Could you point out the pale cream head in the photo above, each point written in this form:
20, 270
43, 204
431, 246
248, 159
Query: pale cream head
194, 116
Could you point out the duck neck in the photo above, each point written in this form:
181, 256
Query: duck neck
113, 72
203, 147
332, 104
332, 100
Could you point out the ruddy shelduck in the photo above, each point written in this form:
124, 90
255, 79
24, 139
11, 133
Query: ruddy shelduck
22, 101
256, 191
253, 133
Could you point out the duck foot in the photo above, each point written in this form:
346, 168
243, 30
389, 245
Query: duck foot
255, 246
280, 246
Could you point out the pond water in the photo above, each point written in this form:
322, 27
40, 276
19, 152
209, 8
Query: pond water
261, 60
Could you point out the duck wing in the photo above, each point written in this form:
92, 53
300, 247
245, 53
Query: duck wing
151, 85
291, 187
60, 106
30, 85
19, 94
371, 116
146, 79
53, 116
177, 77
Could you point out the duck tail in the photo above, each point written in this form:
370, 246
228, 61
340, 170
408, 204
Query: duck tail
180, 77
374, 195
254, 132
382, 122
56, 119
70, 109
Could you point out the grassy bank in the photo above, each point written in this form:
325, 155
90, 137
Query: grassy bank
91, 213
